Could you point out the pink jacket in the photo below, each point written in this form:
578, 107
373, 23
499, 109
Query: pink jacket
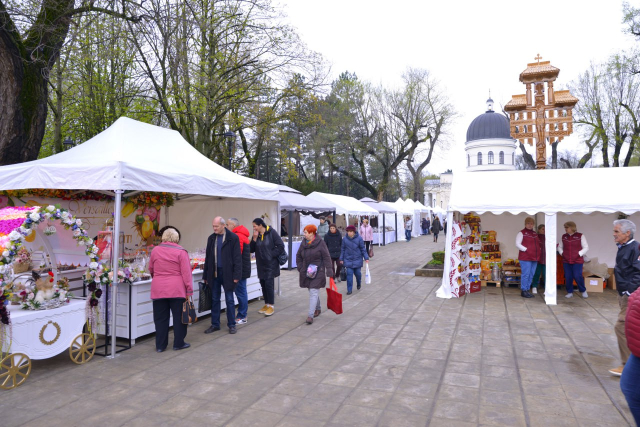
171, 272
366, 233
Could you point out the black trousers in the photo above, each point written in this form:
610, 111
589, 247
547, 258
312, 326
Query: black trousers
367, 245
161, 309
267, 291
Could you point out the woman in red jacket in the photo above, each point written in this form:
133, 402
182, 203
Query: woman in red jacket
573, 246
630, 380
171, 284
529, 245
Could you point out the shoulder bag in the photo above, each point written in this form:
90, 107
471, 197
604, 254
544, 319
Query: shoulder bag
188, 312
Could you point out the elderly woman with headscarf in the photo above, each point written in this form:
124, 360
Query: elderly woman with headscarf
573, 246
314, 265
171, 284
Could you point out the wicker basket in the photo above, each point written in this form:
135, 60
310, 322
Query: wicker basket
21, 267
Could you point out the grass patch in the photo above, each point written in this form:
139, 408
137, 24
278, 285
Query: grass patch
435, 262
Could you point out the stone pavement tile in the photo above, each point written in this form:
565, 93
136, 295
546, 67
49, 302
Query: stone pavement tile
290, 421
597, 412
293, 387
251, 418
113, 416
495, 398
501, 416
330, 393
410, 404
445, 422
538, 390
462, 380
342, 379
356, 415
314, 409
539, 377
500, 384
397, 419
585, 394
545, 405
417, 388
145, 379
394, 360
373, 339
426, 353
435, 345
277, 370
279, 403
379, 383
401, 351
179, 406
546, 420
226, 376
363, 357
579, 380
371, 348
14, 417
460, 394
456, 410
150, 419
353, 367
368, 398
310, 375
463, 368
498, 371
507, 361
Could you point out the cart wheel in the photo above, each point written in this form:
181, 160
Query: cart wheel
14, 370
82, 348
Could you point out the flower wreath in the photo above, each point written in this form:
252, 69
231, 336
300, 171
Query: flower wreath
16, 223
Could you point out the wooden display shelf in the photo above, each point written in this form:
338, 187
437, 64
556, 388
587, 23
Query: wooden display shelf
495, 283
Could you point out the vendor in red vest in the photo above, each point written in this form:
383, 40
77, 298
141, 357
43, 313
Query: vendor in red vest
572, 247
529, 244
541, 268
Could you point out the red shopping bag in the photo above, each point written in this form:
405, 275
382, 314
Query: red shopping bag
334, 298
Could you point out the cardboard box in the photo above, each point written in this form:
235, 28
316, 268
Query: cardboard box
594, 283
475, 287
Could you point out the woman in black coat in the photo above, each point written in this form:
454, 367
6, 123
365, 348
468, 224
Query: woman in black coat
267, 245
314, 265
333, 240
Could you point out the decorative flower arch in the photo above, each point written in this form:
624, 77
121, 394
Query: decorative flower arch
16, 223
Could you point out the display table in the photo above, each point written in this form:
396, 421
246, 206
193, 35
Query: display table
296, 246
138, 317
390, 237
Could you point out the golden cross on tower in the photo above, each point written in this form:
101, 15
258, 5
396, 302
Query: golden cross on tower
532, 118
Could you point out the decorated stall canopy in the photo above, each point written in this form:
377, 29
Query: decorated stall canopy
592, 198
293, 200
132, 155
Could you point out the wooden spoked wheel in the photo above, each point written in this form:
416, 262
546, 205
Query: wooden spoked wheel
14, 370
82, 348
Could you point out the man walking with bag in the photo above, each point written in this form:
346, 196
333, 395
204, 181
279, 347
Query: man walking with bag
241, 288
627, 273
222, 269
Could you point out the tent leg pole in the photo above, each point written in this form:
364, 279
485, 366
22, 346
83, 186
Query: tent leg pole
384, 231
396, 226
115, 239
290, 242
334, 217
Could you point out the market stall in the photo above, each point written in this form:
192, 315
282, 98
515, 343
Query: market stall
348, 210
292, 204
131, 157
404, 211
550, 203
385, 229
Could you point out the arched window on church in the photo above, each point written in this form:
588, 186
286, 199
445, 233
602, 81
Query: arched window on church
479, 159
490, 158
468, 159
501, 158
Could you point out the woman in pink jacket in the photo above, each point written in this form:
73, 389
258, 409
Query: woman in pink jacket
171, 284
366, 232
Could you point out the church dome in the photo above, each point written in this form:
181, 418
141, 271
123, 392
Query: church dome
489, 125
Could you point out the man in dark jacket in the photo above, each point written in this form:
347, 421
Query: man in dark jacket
222, 269
245, 250
267, 245
627, 273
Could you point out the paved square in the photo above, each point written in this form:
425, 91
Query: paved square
397, 356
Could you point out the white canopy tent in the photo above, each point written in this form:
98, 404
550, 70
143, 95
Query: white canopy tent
344, 205
599, 196
415, 212
388, 211
133, 156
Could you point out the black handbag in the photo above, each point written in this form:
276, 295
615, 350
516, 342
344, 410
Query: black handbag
204, 300
283, 258
188, 312
343, 273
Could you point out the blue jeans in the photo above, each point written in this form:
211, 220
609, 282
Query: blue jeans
216, 294
350, 273
528, 268
573, 272
243, 299
407, 235
629, 385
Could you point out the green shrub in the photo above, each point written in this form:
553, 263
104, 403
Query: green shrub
435, 262
439, 256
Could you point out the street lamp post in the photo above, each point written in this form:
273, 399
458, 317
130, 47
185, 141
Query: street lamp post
231, 139
68, 143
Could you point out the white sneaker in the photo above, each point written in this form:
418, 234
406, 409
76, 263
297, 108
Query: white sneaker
569, 295
241, 321
534, 290
585, 294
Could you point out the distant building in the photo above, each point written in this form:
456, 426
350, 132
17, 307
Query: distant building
438, 191
489, 144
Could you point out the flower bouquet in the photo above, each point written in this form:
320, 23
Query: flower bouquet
22, 260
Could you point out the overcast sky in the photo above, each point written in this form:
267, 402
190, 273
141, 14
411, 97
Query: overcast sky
471, 47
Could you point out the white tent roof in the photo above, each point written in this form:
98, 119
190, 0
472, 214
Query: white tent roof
422, 207
402, 207
382, 207
291, 199
409, 207
439, 210
344, 205
606, 190
132, 155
